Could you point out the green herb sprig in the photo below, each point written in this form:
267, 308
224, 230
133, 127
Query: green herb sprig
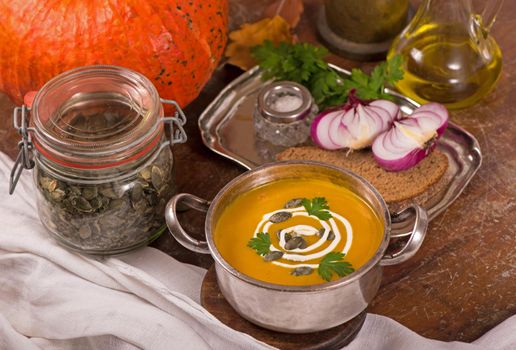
317, 207
369, 87
305, 64
261, 243
333, 263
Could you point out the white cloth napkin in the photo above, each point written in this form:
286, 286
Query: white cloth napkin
51, 298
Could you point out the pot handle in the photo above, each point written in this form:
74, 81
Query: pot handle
415, 241
175, 228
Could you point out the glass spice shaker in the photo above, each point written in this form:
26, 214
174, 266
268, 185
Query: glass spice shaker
284, 111
103, 167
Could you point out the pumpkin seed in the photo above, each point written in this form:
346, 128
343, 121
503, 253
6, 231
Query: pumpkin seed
139, 207
57, 195
136, 193
146, 174
85, 232
294, 203
108, 192
288, 235
48, 184
280, 216
116, 203
274, 255
331, 235
296, 242
96, 203
156, 177
89, 192
302, 271
82, 204
75, 190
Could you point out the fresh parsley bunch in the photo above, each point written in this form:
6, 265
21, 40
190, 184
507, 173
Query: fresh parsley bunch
305, 64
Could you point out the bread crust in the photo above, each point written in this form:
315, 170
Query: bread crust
399, 189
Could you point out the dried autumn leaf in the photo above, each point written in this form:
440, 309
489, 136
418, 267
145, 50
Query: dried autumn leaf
238, 51
290, 10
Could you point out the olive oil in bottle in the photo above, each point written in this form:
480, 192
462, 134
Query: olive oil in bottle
454, 62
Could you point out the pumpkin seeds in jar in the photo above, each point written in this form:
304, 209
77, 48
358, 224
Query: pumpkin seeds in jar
108, 216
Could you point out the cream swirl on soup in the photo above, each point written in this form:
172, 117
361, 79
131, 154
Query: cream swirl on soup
300, 254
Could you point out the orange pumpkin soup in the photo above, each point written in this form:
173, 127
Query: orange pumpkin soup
298, 232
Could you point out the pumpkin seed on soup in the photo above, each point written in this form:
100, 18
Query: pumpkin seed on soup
280, 216
302, 271
288, 235
294, 203
296, 242
331, 235
274, 255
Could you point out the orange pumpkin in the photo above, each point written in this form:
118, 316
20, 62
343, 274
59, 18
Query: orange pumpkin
175, 43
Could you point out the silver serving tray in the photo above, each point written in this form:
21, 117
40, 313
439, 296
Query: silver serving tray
226, 127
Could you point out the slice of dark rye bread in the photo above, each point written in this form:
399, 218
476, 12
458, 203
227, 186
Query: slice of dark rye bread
398, 189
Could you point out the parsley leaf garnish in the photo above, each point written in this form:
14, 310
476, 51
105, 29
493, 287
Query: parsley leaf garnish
261, 243
317, 207
333, 263
305, 64
372, 87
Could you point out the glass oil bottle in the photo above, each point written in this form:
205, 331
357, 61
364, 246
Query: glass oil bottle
449, 55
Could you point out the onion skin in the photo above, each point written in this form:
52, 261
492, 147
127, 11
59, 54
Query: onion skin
326, 144
354, 125
409, 160
411, 139
389, 106
435, 108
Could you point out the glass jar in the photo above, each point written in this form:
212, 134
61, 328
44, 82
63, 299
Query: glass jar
283, 114
103, 167
362, 29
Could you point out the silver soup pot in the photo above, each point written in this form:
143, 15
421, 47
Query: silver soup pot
296, 309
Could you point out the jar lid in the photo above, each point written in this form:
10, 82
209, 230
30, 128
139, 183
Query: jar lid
284, 102
96, 117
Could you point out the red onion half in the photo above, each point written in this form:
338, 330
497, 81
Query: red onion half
411, 139
354, 125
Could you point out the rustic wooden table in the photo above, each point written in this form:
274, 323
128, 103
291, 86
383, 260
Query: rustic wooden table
463, 280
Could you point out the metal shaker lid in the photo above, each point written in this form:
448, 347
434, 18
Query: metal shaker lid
270, 107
